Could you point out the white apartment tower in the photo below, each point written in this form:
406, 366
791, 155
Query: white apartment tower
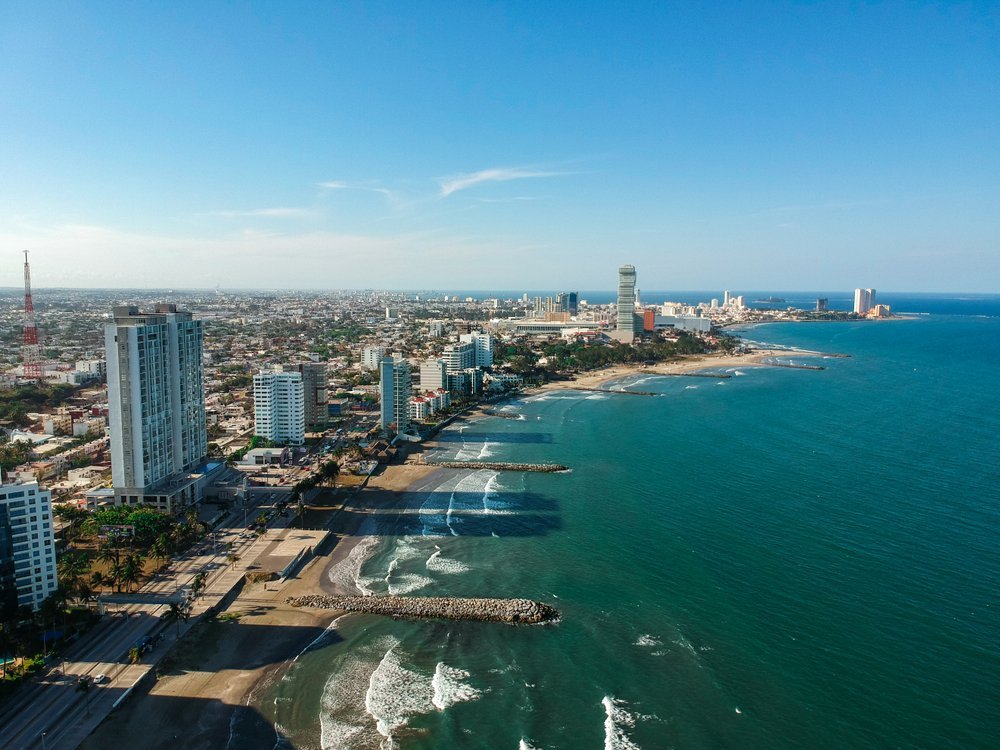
371, 357
459, 357
394, 390
27, 547
279, 407
433, 375
626, 299
484, 347
864, 300
156, 401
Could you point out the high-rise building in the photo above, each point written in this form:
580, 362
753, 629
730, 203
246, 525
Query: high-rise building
27, 547
483, 343
459, 357
626, 300
394, 391
433, 375
371, 357
568, 302
279, 407
822, 304
314, 394
864, 300
156, 405
727, 298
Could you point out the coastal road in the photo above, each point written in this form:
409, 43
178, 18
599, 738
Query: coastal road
51, 704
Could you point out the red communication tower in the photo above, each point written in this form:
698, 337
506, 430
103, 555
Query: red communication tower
29, 349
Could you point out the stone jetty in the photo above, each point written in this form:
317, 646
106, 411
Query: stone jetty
499, 466
501, 414
624, 391
796, 367
510, 611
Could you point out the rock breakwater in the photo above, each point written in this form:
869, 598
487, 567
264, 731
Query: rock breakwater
510, 611
499, 466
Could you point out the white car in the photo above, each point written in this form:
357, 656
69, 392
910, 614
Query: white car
100, 679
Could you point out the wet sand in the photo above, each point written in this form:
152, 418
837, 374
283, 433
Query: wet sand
211, 679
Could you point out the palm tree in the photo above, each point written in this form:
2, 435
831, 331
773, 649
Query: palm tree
232, 558
132, 570
111, 556
177, 613
329, 472
72, 567
97, 580
160, 549
198, 583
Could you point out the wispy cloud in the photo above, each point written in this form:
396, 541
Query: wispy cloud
280, 212
341, 185
452, 185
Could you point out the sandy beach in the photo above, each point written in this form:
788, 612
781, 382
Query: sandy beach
598, 378
205, 695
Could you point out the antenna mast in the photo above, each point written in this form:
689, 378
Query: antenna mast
30, 355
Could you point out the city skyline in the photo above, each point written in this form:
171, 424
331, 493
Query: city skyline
352, 146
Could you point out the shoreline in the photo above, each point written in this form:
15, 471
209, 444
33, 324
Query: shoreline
688, 365
217, 676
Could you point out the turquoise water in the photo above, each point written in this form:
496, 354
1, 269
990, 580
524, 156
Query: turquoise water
782, 559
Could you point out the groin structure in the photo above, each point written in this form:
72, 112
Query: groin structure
499, 466
796, 367
609, 390
501, 414
510, 611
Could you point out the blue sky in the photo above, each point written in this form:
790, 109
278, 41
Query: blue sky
501, 145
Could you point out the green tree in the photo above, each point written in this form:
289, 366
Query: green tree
72, 567
177, 612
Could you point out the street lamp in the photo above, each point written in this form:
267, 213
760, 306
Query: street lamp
43, 740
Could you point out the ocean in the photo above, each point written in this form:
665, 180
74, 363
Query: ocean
779, 559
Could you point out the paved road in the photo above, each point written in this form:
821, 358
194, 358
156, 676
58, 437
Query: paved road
52, 705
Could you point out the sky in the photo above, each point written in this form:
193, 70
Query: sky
475, 145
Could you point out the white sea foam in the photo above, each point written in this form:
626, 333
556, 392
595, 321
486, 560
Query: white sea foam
492, 506
395, 694
446, 565
616, 720
738, 373
690, 387
450, 687
685, 644
524, 745
648, 640
344, 722
407, 583
347, 574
